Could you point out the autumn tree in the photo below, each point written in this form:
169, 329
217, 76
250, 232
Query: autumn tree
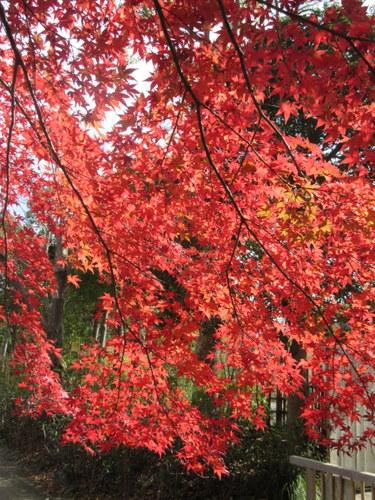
233, 199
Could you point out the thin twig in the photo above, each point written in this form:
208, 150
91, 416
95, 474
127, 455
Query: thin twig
227, 271
248, 146
173, 130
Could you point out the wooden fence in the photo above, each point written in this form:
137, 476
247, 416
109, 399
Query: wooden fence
334, 482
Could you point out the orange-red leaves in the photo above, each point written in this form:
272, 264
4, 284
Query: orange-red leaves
74, 280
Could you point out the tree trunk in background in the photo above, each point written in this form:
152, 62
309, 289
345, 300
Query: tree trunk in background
279, 409
294, 403
206, 340
100, 329
54, 316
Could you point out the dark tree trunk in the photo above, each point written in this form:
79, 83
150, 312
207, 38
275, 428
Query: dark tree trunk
54, 317
294, 403
206, 340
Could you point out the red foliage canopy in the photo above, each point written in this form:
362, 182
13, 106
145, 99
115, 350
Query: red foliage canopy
243, 176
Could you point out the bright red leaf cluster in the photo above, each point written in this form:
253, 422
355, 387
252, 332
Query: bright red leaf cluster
244, 175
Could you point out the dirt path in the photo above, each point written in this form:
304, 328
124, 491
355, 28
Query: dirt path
14, 484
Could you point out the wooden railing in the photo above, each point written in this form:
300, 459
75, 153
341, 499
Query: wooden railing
335, 483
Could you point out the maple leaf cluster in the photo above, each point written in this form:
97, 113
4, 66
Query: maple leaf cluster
236, 192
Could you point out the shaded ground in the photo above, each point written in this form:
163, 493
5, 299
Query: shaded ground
16, 481
260, 468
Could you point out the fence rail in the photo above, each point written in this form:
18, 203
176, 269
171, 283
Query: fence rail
336, 483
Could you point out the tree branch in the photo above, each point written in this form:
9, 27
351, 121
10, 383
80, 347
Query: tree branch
259, 109
234, 203
12, 91
324, 27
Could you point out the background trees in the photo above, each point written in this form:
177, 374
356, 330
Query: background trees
227, 215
